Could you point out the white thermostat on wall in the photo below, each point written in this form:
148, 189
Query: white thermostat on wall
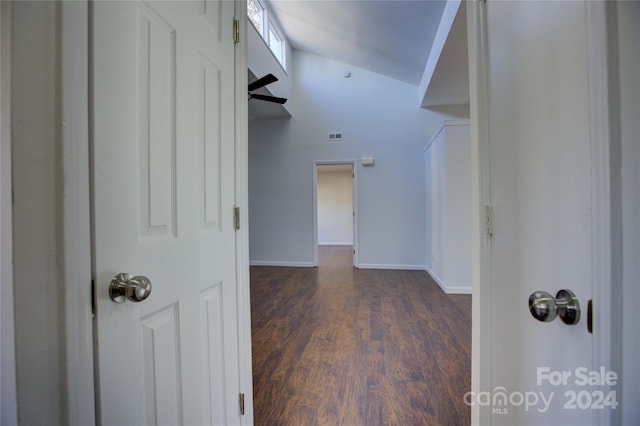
367, 161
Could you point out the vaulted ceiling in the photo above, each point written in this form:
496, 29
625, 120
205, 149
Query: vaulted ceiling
392, 38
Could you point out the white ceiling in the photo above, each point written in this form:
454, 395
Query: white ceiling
388, 37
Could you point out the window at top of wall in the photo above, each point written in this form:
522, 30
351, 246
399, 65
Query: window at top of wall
276, 44
268, 29
255, 12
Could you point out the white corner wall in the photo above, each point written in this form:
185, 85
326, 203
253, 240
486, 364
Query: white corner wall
447, 160
335, 207
378, 117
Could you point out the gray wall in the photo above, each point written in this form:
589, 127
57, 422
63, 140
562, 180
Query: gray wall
379, 117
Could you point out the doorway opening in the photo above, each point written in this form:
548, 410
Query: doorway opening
335, 214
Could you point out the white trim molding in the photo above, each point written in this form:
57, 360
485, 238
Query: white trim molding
76, 222
449, 289
481, 310
606, 251
392, 266
242, 201
281, 263
314, 211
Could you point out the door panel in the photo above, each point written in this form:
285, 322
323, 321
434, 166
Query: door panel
163, 171
161, 355
156, 61
541, 197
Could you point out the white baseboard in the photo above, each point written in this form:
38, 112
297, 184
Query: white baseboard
448, 289
278, 263
458, 290
391, 266
335, 244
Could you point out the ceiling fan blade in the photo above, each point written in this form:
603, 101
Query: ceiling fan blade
261, 82
267, 98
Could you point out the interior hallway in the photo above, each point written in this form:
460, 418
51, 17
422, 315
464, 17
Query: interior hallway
335, 345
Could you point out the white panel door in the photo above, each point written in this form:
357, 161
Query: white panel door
163, 179
541, 196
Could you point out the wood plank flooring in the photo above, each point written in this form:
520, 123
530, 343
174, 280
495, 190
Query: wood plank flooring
335, 345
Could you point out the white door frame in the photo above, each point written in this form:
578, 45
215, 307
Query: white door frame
603, 276
242, 201
481, 285
354, 163
606, 189
76, 213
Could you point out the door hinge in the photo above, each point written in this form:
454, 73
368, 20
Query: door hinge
241, 402
487, 220
236, 218
236, 31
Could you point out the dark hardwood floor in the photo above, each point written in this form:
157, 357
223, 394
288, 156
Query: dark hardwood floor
335, 345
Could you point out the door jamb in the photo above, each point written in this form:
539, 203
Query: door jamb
481, 310
354, 163
75, 203
242, 201
606, 215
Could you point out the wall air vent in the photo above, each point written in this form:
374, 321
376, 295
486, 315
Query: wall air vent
337, 136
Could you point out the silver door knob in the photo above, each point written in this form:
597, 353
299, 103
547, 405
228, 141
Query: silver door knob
544, 307
123, 287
